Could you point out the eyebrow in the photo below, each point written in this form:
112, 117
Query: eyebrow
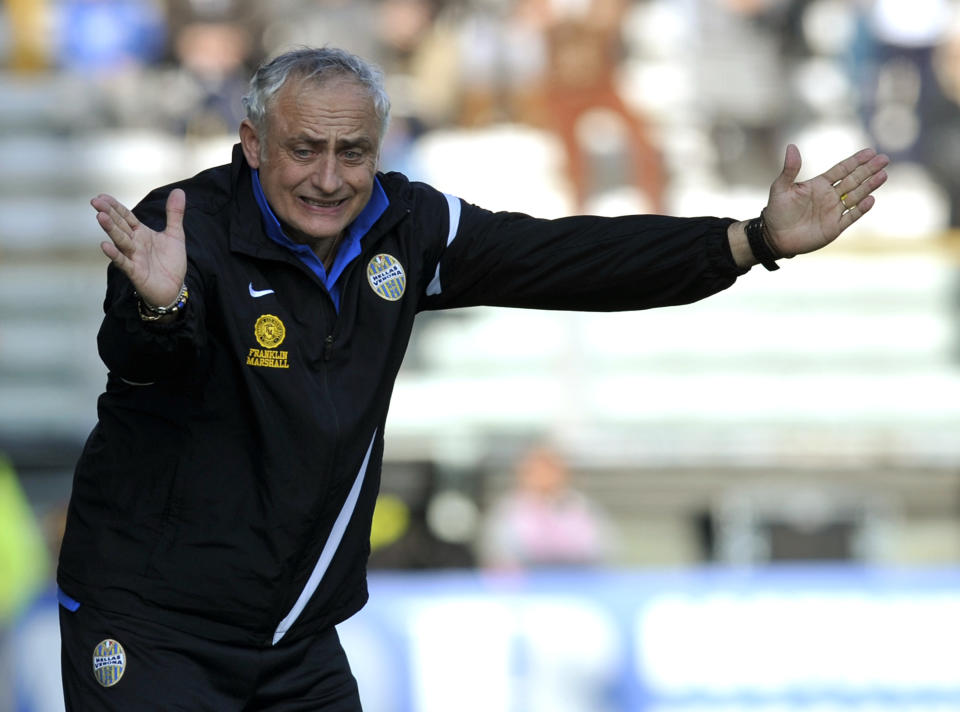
359, 142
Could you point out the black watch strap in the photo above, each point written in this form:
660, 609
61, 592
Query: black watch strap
761, 249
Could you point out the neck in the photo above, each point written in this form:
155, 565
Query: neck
324, 248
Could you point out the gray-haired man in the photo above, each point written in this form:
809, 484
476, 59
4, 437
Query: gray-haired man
255, 319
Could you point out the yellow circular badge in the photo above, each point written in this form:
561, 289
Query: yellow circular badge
109, 662
269, 331
386, 277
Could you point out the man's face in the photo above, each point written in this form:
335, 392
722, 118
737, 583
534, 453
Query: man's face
317, 156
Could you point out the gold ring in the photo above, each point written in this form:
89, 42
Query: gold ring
843, 202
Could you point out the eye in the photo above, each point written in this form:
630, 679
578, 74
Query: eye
353, 155
302, 153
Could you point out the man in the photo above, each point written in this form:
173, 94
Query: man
543, 520
255, 319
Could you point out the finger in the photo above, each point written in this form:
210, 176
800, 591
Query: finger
117, 257
112, 221
847, 166
176, 206
110, 205
791, 169
863, 175
102, 202
126, 215
862, 182
119, 233
856, 212
116, 229
110, 250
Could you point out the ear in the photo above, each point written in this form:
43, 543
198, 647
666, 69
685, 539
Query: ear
250, 142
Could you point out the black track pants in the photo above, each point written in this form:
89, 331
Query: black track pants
117, 663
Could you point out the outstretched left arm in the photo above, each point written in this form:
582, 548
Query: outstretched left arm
803, 217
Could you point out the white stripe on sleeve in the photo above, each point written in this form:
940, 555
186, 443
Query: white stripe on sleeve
453, 205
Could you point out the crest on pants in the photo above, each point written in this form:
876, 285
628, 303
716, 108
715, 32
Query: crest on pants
109, 662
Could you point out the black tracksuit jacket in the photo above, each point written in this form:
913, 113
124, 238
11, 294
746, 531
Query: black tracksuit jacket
228, 486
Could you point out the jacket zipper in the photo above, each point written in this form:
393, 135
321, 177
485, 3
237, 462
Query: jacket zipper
346, 303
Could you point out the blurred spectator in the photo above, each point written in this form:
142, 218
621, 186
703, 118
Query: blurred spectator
350, 24
742, 87
911, 104
408, 535
940, 143
501, 55
417, 47
24, 564
900, 101
543, 521
107, 47
35, 637
584, 55
402, 27
212, 77
109, 36
31, 45
24, 571
214, 47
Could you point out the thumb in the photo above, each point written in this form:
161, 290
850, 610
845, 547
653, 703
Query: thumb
176, 206
791, 169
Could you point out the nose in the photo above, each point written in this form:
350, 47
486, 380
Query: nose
326, 177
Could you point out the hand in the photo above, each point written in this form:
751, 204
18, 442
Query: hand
803, 217
155, 262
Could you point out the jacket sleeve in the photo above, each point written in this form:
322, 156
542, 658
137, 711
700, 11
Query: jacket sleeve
583, 263
145, 352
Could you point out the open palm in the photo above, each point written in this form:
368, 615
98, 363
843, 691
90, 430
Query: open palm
803, 217
155, 262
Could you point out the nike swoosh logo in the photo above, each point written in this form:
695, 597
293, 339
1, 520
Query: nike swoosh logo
259, 292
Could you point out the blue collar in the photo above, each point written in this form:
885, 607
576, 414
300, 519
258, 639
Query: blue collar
348, 249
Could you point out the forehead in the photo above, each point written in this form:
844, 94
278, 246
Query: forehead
338, 105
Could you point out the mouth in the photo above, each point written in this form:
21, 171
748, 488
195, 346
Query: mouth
322, 204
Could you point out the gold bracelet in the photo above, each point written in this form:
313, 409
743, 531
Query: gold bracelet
148, 312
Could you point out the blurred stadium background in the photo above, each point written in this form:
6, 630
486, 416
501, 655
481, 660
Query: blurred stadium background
777, 468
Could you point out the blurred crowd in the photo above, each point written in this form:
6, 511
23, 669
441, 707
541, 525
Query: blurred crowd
642, 96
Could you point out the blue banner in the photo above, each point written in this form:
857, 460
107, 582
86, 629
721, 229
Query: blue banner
706, 640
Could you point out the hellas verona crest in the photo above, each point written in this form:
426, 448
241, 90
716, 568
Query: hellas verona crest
109, 662
386, 277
